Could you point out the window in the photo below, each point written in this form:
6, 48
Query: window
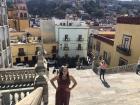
21, 15
107, 57
66, 45
66, 37
64, 24
122, 61
54, 49
70, 24
79, 47
126, 42
18, 60
80, 37
24, 8
25, 15
21, 52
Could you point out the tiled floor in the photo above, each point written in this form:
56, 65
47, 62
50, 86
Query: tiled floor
121, 89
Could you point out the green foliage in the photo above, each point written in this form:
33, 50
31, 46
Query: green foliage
93, 9
45, 8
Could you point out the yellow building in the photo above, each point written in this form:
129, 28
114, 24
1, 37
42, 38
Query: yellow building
124, 48
127, 40
24, 53
18, 24
24, 45
103, 45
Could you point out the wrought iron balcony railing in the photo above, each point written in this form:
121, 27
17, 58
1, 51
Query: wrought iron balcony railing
80, 39
125, 51
66, 39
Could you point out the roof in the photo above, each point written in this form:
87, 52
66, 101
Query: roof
104, 39
129, 20
107, 34
17, 34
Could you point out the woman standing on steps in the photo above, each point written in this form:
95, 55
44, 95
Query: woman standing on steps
63, 89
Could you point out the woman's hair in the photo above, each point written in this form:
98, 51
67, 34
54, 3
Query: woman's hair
61, 73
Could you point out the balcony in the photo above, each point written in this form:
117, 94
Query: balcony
80, 39
66, 39
123, 50
66, 48
21, 54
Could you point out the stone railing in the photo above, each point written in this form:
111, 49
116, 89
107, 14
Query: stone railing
11, 97
23, 77
34, 98
116, 69
124, 68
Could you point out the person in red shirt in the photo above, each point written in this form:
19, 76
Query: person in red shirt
103, 67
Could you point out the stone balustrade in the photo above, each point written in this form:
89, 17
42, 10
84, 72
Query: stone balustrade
116, 69
11, 97
124, 68
34, 98
22, 77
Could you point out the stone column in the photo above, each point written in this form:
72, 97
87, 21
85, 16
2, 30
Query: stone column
40, 81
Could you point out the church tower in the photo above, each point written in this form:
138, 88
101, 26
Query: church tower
18, 15
21, 9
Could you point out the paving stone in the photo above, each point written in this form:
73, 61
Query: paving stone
124, 89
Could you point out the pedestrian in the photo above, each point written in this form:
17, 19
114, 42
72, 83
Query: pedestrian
103, 67
138, 66
63, 90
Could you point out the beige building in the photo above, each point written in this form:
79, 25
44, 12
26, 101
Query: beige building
122, 47
24, 45
49, 40
127, 40
103, 45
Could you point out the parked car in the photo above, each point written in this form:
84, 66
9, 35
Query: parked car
22, 65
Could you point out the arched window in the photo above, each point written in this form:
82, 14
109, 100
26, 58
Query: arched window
24, 8
25, 15
21, 15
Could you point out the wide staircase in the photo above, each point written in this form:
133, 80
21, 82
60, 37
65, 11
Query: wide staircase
34, 88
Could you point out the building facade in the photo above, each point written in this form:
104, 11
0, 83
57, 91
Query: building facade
103, 46
122, 49
49, 40
5, 50
127, 41
72, 37
25, 45
18, 15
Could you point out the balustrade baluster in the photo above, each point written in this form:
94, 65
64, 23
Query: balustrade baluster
13, 99
25, 93
19, 96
